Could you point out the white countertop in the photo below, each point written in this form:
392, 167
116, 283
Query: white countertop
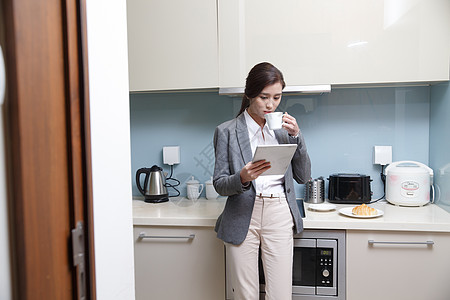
180, 211
426, 218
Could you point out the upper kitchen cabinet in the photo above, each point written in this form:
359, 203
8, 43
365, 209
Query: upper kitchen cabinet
172, 44
335, 42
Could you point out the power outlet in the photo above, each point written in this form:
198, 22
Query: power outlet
382, 155
171, 155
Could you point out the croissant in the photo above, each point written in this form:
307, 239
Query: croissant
364, 210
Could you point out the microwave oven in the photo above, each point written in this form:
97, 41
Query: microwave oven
318, 266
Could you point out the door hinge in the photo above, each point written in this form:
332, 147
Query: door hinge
79, 259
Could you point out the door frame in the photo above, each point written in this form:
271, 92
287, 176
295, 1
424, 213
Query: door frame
48, 146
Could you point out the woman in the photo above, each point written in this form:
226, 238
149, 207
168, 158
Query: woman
261, 211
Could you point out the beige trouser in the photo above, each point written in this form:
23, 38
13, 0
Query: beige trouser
271, 227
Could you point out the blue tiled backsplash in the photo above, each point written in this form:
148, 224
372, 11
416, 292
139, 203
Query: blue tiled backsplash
340, 129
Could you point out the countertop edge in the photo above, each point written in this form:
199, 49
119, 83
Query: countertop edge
309, 225
174, 222
381, 227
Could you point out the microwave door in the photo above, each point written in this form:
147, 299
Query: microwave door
304, 267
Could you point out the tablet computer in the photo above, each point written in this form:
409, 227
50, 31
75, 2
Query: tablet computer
279, 156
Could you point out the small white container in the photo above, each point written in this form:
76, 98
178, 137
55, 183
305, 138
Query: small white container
210, 190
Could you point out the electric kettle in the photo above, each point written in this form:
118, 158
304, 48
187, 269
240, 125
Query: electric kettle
154, 190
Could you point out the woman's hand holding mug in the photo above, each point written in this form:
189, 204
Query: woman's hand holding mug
290, 124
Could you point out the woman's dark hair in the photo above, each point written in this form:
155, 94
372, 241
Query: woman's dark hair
260, 76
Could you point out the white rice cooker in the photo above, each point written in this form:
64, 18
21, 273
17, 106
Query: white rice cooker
408, 183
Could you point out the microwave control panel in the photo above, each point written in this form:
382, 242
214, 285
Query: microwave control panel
325, 265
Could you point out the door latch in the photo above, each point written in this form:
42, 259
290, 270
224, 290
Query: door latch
79, 259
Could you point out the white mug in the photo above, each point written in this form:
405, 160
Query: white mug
274, 120
193, 189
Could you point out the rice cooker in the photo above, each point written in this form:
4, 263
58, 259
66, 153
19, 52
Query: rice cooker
408, 183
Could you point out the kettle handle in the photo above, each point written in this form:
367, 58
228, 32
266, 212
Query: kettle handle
394, 164
138, 179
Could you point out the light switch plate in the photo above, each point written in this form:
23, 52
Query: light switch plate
382, 155
171, 155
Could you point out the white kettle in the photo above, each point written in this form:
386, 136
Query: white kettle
408, 183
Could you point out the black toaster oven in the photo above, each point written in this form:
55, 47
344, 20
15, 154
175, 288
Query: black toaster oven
349, 188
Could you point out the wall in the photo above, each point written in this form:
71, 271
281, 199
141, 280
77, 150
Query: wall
340, 129
440, 142
5, 258
110, 149
5, 270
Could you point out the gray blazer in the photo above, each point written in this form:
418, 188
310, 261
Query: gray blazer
233, 152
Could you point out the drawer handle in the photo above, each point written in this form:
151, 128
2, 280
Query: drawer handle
143, 236
372, 242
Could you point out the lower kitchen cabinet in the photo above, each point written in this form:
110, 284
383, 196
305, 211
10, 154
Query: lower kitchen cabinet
173, 263
404, 268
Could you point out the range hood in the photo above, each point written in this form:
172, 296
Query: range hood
288, 90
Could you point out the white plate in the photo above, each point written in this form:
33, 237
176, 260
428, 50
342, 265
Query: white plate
348, 212
321, 206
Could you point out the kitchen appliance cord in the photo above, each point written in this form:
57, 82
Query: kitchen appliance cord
383, 179
177, 183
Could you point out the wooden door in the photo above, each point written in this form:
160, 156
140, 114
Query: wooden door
49, 176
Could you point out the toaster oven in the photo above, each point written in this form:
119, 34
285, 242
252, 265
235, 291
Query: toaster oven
349, 188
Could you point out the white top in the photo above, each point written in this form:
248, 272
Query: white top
270, 184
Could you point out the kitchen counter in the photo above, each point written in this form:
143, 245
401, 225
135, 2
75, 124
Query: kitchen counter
426, 218
180, 211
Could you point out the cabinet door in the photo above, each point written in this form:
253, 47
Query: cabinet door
171, 266
397, 271
172, 44
335, 42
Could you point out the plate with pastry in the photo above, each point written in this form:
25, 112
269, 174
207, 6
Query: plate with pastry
361, 211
